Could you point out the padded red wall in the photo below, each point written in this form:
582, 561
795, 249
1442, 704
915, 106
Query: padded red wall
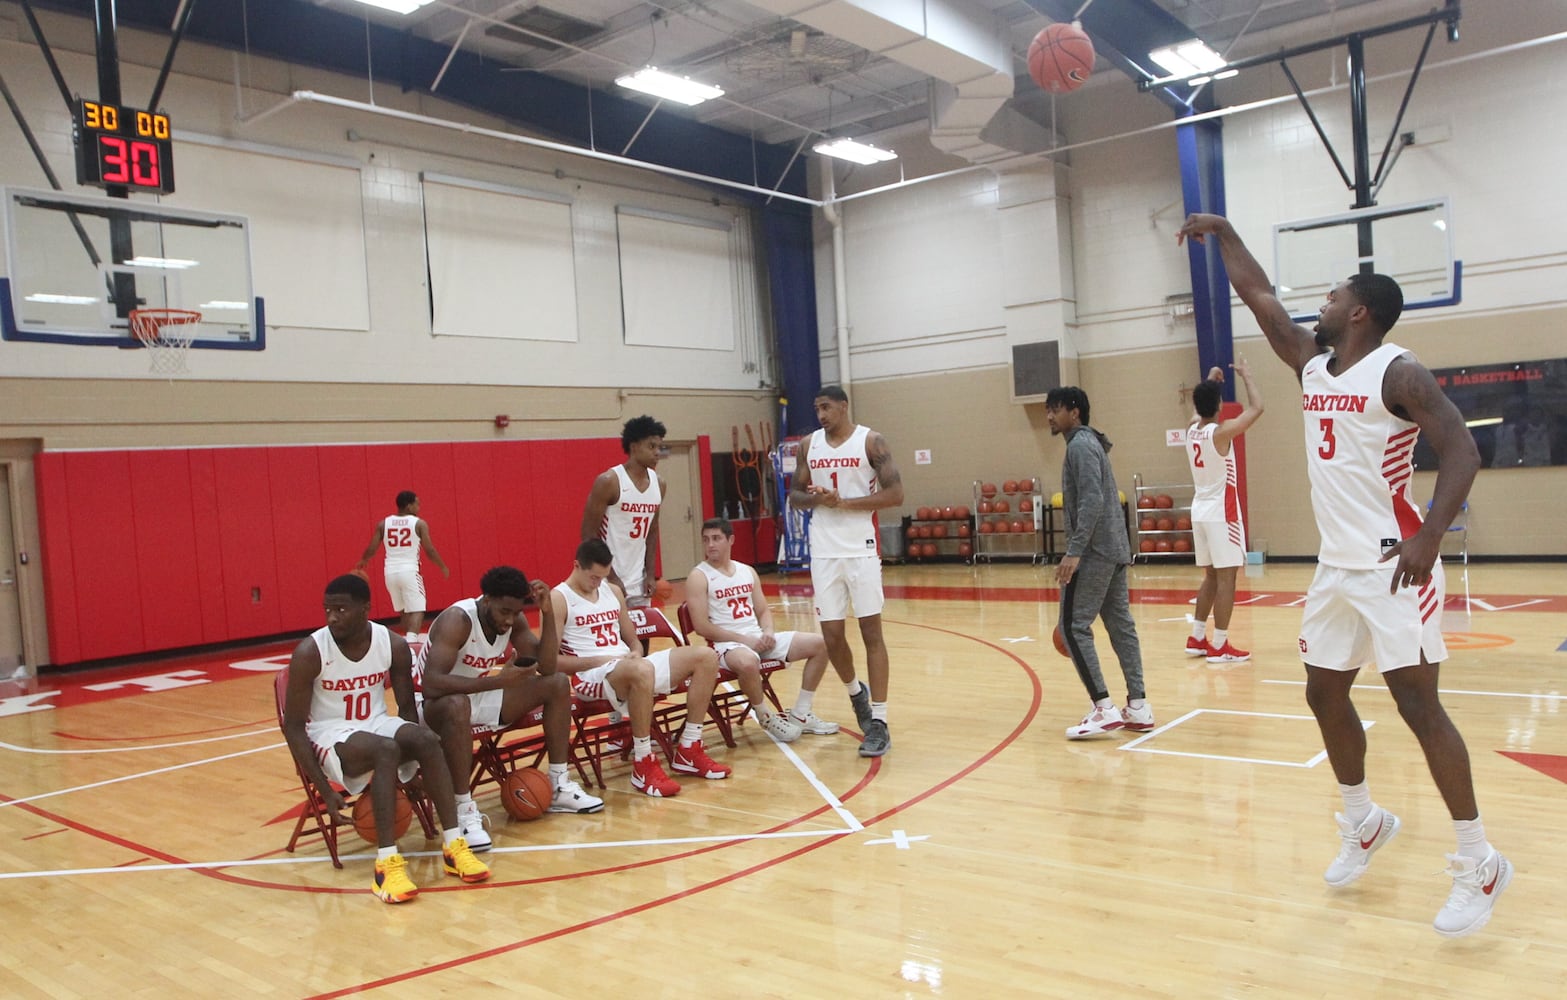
152, 550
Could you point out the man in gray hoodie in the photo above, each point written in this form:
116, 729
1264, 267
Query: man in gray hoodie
1092, 574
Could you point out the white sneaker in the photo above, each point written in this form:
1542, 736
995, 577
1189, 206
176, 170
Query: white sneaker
781, 727
472, 821
812, 726
1476, 884
1100, 722
1360, 842
1138, 720
570, 798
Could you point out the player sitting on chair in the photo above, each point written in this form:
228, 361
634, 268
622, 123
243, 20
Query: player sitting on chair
728, 610
338, 729
595, 647
469, 679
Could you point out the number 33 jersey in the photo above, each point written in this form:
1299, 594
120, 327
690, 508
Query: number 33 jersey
592, 627
1360, 457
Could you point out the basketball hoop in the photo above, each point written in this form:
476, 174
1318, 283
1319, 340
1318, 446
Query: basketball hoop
166, 333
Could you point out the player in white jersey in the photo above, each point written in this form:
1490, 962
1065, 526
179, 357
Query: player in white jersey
484, 667
1218, 534
339, 731
729, 610
844, 475
622, 509
596, 633
404, 535
1365, 403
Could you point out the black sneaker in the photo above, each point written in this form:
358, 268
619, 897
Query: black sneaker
862, 707
877, 740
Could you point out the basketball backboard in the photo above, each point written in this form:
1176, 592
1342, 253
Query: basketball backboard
1412, 243
76, 265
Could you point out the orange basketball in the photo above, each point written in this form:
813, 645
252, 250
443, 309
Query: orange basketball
364, 816
1002, 506
1060, 641
948, 513
939, 531
962, 513
964, 530
1163, 545
1145, 503
1183, 523
1018, 527
1026, 504
1010, 486
985, 527
526, 793
1002, 527
1164, 501
965, 549
1060, 58
930, 550
662, 590
923, 514
987, 490
1166, 524
1025, 485
1183, 544
361, 572
1146, 545
985, 506
1147, 524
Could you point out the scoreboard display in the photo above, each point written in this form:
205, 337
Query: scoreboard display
123, 147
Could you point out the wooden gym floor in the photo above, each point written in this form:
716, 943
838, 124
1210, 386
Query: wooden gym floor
143, 813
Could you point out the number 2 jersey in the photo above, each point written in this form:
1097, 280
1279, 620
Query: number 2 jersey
592, 627
729, 598
1360, 457
349, 690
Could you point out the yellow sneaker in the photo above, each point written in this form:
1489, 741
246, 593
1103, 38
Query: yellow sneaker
391, 880
460, 861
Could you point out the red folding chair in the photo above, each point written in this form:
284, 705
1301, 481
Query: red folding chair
598, 737
314, 811
727, 709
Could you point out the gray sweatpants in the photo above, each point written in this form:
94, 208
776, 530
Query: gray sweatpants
1098, 590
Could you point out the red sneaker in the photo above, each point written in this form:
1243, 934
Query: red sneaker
1228, 654
694, 760
1198, 647
648, 777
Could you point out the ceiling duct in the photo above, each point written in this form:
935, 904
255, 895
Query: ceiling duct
535, 27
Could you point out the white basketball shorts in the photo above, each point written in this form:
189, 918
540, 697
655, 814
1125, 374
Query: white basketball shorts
842, 583
1351, 620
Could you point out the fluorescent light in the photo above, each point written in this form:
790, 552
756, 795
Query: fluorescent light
858, 152
668, 87
62, 300
1483, 422
397, 6
172, 263
1440, 224
223, 305
1227, 74
1187, 58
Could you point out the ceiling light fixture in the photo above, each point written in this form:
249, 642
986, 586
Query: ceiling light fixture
857, 152
668, 87
397, 6
1188, 58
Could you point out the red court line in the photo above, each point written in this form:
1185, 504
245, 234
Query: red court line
161, 736
1017, 731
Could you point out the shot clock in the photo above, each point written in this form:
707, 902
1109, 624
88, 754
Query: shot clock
123, 147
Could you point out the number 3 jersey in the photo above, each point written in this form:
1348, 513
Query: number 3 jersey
729, 598
1360, 457
592, 627
350, 690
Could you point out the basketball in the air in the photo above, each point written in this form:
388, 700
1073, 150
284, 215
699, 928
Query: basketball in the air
364, 816
526, 793
1060, 58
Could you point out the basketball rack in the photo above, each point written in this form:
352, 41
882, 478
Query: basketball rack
166, 334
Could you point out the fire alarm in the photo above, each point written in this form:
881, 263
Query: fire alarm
502, 421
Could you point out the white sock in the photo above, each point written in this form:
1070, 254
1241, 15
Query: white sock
557, 775
465, 799
802, 705
1136, 702
853, 687
691, 734
1471, 838
1199, 629
1105, 703
447, 836
1357, 802
879, 710
641, 746
1220, 637
383, 853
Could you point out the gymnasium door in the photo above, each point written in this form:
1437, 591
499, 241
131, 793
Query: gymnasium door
679, 527
10, 598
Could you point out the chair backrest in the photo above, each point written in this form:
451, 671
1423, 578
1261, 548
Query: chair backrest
651, 623
683, 616
1460, 521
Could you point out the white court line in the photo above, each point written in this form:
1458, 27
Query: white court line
150, 746
143, 774
1135, 745
1482, 694
254, 862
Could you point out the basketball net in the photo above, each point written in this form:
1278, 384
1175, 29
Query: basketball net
166, 334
